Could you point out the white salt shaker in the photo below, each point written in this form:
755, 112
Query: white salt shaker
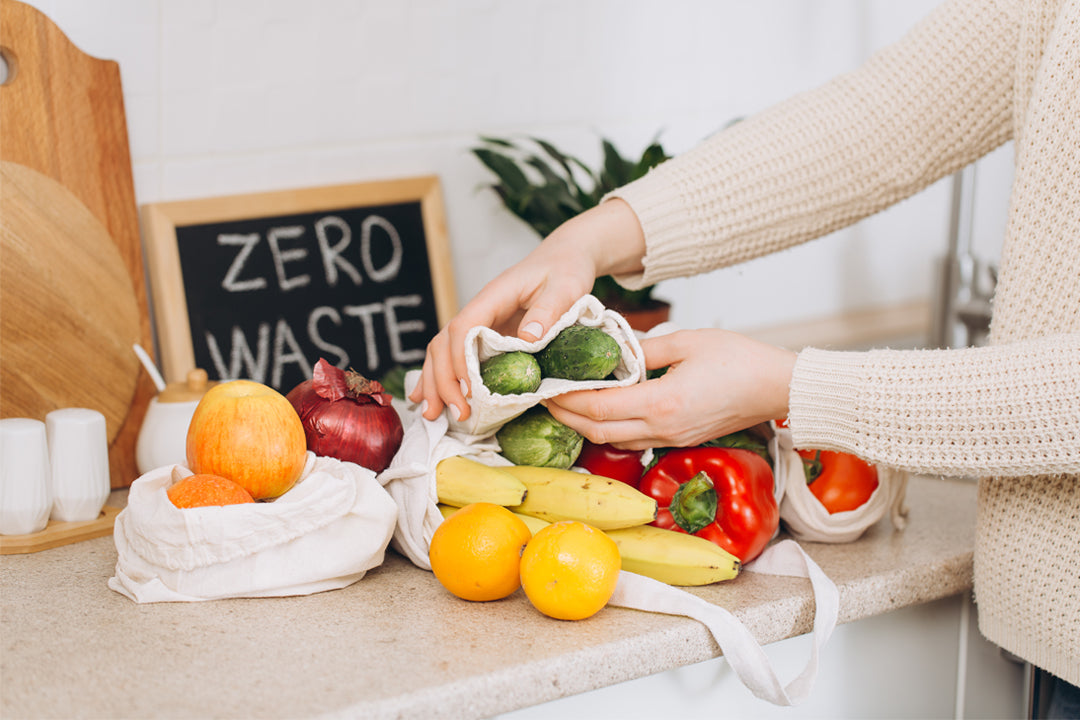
79, 463
25, 500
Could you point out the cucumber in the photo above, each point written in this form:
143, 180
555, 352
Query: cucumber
536, 438
511, 373
579, 353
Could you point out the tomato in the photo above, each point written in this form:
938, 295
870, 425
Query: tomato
611, 462
841, 481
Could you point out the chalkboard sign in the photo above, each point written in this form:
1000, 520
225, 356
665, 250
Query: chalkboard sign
262, 286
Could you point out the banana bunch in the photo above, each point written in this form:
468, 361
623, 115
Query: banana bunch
547, 493
540, 496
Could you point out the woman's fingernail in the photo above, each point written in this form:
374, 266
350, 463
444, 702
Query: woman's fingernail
455, 412
534, 328
464, 387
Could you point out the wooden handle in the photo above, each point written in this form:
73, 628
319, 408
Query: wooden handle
62, 114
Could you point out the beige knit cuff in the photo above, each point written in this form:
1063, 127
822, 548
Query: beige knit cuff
660, 210
822, 408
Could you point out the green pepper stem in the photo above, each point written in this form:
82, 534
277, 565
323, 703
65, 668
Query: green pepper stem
694, 504
813, 468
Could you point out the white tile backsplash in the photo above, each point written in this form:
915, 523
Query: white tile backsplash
237, 96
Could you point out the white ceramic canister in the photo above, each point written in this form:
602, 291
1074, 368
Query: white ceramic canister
78, 463
25, 501
163, 435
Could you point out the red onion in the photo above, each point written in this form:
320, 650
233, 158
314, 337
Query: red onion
348, 417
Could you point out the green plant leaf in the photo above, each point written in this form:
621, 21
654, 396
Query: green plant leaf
650, 158
616, 169
500, 142
546, 171
505, 168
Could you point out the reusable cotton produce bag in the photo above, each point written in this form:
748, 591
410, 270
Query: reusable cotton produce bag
410, 480
807, 519
325, 533
490, 411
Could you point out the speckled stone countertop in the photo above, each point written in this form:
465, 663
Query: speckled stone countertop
397, 645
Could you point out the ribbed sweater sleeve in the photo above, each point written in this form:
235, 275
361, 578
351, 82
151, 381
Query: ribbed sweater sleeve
1011, 409
915, 112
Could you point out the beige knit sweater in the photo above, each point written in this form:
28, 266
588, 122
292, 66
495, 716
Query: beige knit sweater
971, 76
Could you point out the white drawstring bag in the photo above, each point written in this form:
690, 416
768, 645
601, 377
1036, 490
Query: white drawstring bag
410, 480
489, 412
325, 533
807, 519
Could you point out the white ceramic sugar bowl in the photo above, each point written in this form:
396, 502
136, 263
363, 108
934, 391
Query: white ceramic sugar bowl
163, 436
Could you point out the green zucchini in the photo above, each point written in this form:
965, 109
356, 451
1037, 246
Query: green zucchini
511, 373
580, 353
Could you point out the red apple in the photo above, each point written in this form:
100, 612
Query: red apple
249, 433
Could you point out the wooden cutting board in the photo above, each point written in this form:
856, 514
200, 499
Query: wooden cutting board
62, 115
70, 315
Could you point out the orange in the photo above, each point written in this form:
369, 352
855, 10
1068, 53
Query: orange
203, 490
569, 570
476, 552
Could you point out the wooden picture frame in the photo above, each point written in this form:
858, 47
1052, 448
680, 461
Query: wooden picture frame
165, 224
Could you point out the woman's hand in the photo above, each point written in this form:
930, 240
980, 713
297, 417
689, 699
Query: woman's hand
718, 382
529, 297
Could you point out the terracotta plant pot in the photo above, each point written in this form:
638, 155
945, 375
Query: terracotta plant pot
645, 317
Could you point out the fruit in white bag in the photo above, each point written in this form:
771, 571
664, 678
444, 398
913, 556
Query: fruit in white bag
249, 433
206, 491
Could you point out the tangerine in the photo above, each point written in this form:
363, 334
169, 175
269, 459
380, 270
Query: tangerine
204, 490
476, 552
569, 570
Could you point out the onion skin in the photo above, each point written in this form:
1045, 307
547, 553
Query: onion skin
361, 428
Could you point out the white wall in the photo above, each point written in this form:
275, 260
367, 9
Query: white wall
230, 96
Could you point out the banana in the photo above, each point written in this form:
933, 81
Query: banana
673, 557
534, 524
460, 481
606, 504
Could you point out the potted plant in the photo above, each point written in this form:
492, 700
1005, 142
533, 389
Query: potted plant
546, 187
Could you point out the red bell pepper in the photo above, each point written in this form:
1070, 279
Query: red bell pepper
724, 495
611, 462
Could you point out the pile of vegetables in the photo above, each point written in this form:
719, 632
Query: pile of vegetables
536, 438
576, 353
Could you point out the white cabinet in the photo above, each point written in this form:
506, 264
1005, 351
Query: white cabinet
912, 663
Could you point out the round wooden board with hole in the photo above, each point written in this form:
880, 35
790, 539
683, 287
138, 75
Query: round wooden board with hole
68, 311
